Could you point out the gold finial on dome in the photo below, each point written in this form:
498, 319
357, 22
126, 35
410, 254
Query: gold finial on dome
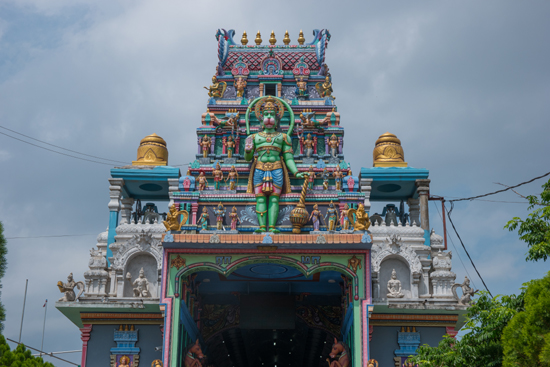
301, 38
388, 152
152, 152
272, 38
244, 40
258, 39
286, 40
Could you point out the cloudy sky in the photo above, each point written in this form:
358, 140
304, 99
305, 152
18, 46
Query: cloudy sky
464, 85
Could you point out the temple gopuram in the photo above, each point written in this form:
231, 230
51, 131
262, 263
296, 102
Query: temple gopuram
266, 252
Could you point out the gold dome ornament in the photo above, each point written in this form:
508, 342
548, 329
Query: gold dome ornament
152, 152
244, 40
258, 39
388, 152
286, 40
301, 38
272, 38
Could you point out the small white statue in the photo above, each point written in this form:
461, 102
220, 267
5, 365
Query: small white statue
141, 284
394, 286
467, 292
68, 289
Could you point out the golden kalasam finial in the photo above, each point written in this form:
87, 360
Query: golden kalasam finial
286, 40
301, 38
272, 38
152, 152
244, 40
388, 152
258, 39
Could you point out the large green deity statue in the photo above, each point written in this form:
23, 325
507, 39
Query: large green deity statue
269, 172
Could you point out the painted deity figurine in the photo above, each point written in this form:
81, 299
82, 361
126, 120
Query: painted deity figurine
172, 223
269, 173
218, 176
338, 175
311, 177
240, 85
301, 87
194, 356
68, 289
234, 218
220, 214
141, 284
229, 146
333, 144
205, 145
316, 217
124, 361
325, 89
331, 217
233, 178
394, 286
339, 354
344, 220
203, 182
203, 221
325, 175
217, 89
359, 218
308, 146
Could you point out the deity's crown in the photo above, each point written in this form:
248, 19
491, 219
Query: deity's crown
269, 105
333, 137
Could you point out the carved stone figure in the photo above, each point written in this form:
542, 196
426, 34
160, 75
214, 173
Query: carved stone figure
301, 87
359, 218
344, 220
233, 178
217, 89
325, 175
68, 289
316, 217
172, 223
467, 292
240, 85
203, 221
220, 214
141, 285
218, 176
205, 145
234, 218
331, 217
203, 182
394, 286
339, 354
325, 89
338, 175
229, 146
308, 146
333, 145
269, 172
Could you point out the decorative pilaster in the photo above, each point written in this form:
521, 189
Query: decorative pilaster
126, 210
423, 189
366, 187
194, 208
414, 211
173, 186
213, 144
115, 191
85, 337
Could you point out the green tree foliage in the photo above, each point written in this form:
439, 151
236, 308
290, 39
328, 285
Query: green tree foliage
3, 265
481, 345
535, 230
526, 339
20, 357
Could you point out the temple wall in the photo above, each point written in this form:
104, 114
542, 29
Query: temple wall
102, 340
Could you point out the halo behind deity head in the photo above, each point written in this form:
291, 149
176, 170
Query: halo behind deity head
272, 103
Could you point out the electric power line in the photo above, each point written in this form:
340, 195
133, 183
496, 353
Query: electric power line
57, 146
464, 247
43, 353
62, 235
499, 191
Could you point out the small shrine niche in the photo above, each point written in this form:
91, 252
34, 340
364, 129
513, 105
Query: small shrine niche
132, 273
403, 274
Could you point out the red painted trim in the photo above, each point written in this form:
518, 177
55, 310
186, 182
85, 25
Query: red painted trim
451, 331
85, 336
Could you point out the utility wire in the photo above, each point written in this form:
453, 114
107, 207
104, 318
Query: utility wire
55, 151
454, 247
43, 353
57, 146
464, 247
499, 191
